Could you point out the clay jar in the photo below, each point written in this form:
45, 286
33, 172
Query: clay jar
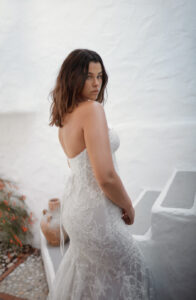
50, 223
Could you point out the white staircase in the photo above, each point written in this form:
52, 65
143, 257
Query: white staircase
165, 228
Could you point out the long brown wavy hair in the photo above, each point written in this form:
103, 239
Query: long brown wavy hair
70, 82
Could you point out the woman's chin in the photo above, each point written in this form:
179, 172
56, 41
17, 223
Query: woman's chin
93, 97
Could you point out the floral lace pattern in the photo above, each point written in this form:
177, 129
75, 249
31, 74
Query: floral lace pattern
103, 260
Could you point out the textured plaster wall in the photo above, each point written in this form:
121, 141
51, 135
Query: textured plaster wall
148, 48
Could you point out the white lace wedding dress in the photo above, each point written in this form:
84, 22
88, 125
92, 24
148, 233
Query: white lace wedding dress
103, 260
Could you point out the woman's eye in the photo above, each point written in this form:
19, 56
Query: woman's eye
89, 76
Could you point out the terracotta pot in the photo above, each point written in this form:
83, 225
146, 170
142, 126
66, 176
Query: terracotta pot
50, 223
54, 204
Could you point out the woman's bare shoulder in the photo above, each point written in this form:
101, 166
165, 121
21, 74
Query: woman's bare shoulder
91, 105
90, 108
80, 109
82, 113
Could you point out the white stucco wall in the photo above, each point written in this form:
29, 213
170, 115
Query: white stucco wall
148, 48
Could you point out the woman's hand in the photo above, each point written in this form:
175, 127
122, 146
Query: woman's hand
128, 215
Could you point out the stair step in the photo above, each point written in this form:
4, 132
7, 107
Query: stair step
179, 195
183, 186
142, 208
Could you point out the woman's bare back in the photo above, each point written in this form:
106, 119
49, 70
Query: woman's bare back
71, 135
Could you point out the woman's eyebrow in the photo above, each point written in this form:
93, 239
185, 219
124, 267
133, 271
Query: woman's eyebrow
92, 73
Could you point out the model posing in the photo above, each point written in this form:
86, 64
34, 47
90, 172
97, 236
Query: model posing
103, 261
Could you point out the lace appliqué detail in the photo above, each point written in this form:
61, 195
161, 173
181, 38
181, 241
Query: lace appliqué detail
103, 261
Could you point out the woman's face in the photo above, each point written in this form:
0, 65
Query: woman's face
93, 82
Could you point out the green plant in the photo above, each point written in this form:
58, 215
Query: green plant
15, 219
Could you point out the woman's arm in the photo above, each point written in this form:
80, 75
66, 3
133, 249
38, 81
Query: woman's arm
98, 147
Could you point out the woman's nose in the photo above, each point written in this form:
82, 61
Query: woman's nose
95, 82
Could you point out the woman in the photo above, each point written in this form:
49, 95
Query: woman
103, 261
